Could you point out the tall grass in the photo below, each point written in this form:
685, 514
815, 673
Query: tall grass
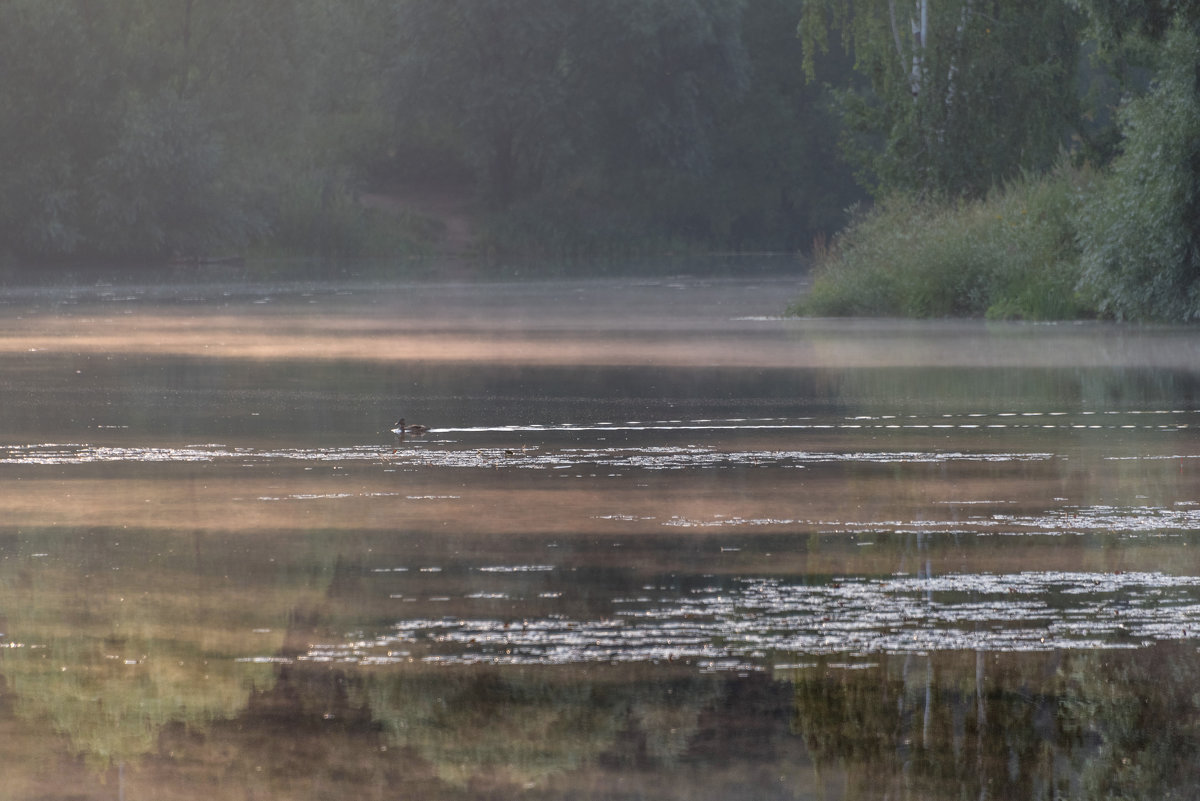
1010, 255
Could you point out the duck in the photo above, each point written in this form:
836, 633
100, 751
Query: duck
401, 428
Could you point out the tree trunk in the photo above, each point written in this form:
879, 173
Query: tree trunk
914, 62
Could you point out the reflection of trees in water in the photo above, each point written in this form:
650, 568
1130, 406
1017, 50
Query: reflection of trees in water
960, 725
305, 737
1137, 722
1006, 389
149, 625
522, 728
458, 733
132, 632
111, 707
1115, 724
182, 711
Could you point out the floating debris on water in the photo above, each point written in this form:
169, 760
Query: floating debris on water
748, 623
517, 569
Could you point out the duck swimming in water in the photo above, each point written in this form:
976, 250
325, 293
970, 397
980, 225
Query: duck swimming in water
401, 428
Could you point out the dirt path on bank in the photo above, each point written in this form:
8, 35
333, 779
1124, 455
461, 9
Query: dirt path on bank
452, 208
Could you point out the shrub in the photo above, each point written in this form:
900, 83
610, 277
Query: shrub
1010, 255
1140, 234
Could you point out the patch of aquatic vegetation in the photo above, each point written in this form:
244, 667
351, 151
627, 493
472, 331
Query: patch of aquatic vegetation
1140, 521
321, 496
1121, 519
534, 457
752, 623
722, 521
452, 447
517, 569
82, 453
1164, 419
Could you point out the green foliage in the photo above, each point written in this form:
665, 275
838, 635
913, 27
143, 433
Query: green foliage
161, 190
1115, 20
1010, 255
151, 130
775, 180
319, 215
624, 126
51, 100
1140, 233
536, 90
136, 129
489, 75
987, 91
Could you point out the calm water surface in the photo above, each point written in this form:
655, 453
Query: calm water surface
658, 543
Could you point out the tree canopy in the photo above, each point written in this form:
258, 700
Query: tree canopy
960, 94
151, 131
1141, 233
147, 130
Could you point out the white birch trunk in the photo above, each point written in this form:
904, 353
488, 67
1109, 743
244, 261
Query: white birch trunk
951, 98
920, 36
913, 61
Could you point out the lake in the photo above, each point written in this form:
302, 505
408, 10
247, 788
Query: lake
660, 542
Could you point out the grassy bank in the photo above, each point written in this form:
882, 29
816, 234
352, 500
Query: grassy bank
1012, 255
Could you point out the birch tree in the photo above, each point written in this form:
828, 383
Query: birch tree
958, 94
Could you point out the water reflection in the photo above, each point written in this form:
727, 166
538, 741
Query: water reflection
735, 556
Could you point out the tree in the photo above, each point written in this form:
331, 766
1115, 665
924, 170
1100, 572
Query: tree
53, 122
490, 76
775, 180
962, 93
160, 191
1140, 233
533, 92
1114, 21
145, 129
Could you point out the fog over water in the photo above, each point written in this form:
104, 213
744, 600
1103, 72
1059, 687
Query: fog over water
658, 541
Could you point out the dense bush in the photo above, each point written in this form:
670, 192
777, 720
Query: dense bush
1011, 255
1140, 232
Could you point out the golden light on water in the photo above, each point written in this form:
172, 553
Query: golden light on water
611, 328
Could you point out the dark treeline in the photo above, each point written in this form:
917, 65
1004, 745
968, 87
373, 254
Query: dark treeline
137, 129
145, 130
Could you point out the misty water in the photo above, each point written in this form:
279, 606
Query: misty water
660, 541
